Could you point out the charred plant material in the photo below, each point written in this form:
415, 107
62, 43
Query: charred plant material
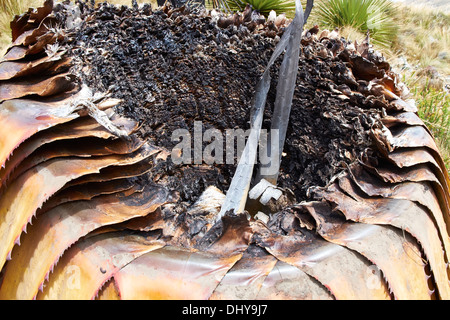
171, 68
239, 187
89, 98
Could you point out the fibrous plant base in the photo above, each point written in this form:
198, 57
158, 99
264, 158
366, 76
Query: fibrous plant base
365, 206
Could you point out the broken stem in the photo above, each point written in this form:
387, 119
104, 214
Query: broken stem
237, 193
240, 184
283, 101
88, 104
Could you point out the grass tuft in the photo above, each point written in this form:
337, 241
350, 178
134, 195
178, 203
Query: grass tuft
434, 109
373, 16
265, 6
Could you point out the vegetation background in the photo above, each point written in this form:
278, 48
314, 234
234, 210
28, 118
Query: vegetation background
414, 35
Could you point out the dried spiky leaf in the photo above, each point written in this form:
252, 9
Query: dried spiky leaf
78, 128
408, 157
30, 20
240, 185
403, 214
172, 273
21, 118
115, 172
376, 232
56, 230
88, 191
109, 291
395, 253
25, 195
85, 147
41, 87
178, 273
15, 69
86, 266
420, 192
246, 277
342, 271
286, 282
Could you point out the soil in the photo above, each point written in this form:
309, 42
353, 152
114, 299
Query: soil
174, 67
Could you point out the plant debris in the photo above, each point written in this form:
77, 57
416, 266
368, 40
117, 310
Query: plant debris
172, 67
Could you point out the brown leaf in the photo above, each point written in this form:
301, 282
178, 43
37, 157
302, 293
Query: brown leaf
344, 272
36, 86
395, 253
56, 230
26, 194
403, 214
78, 128
286, 282
86, 266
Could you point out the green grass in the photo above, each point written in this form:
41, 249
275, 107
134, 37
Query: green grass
424, 34
373, 16
434, 109
423, 37
265, 6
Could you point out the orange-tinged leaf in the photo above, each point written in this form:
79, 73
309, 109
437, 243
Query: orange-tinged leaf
15, 69
403, 105
344, 272
109, 291
36, 86
83, 147
413, 136
403, 214
28, 38
408, 157
42, 41
420, 192
88, 264
286, 282
392, 174
20, 119
418, 137
418, 173
87, 191
26, 194
56, 230
397, 254
16, 52
115, 172
172, 273
179, 273
77, 128
30, 19
245, 278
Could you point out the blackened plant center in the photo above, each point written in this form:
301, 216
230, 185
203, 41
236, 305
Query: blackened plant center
172, 67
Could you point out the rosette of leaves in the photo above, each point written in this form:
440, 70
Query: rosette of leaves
264, 6
374, 16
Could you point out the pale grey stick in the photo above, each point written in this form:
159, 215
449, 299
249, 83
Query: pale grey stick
237, 193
